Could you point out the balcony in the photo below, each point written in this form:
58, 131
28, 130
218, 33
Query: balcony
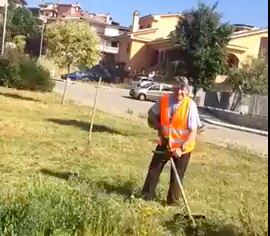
111, 31
109, 49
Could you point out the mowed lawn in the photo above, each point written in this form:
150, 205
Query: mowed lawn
53, 183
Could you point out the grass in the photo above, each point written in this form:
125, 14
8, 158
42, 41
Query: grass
52, 183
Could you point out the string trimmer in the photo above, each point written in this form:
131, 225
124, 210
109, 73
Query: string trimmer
189, 215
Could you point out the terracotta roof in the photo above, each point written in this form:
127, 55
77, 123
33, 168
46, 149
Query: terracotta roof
249, 32
161, 15
139, 32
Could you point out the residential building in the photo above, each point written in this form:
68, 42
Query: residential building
145, 48
103, 24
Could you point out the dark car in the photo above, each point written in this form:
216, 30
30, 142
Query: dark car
90, 75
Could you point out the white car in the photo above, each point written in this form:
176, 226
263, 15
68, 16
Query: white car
152, 92
140, 81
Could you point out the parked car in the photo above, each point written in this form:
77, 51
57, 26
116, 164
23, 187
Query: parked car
152, 92
139, 81
92, 75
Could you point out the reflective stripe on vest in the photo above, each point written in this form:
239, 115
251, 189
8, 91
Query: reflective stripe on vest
178, 127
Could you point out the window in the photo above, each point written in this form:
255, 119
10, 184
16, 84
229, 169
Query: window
155, 87
167, 88
147, 85
143, 80
114, 44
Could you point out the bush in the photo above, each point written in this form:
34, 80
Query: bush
21, 72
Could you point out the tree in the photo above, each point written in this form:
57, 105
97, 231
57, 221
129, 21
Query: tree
250, 78
22, 22
72, 44
201, 38
20, 42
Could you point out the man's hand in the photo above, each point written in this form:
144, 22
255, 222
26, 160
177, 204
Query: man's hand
176, 152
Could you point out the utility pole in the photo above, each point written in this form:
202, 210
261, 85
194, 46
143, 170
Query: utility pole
4, 29
44, 21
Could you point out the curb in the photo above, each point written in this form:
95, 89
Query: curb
241, 128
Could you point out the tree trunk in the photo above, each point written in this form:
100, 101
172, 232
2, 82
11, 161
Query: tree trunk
65, 89
238, 95
194, 91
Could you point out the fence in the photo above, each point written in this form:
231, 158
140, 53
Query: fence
258, 106
253, 105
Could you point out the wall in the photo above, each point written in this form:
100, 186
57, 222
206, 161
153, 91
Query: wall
146, 35
111, 31
165, 25
139, 56
235, 118
258, 106
144, 23
123, 56
99, 29
253, 105
264, 46
252, 42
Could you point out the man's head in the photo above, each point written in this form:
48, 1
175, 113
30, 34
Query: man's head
180, 88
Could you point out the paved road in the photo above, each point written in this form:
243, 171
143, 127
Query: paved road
118, 102
112, 100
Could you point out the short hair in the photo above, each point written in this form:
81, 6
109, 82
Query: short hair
182, 81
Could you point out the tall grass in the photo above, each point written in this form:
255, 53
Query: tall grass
53, 184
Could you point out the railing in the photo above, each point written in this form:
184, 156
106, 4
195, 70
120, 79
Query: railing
109, 49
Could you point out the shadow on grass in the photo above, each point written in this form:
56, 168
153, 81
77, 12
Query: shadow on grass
84, 125
66, 175
125, 189
17, 96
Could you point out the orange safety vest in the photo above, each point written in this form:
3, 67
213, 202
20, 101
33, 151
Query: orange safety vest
177, 130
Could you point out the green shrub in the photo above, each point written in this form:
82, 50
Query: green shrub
21, 72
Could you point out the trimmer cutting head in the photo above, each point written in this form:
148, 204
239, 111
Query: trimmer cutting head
191, 229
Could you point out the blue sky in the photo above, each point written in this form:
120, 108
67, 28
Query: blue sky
251, 12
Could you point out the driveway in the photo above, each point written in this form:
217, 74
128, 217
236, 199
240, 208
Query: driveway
117, 101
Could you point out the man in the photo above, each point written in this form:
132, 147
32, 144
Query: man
176, 118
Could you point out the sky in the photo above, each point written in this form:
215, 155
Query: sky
250, 12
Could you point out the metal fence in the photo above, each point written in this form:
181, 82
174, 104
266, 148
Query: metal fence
258, 106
